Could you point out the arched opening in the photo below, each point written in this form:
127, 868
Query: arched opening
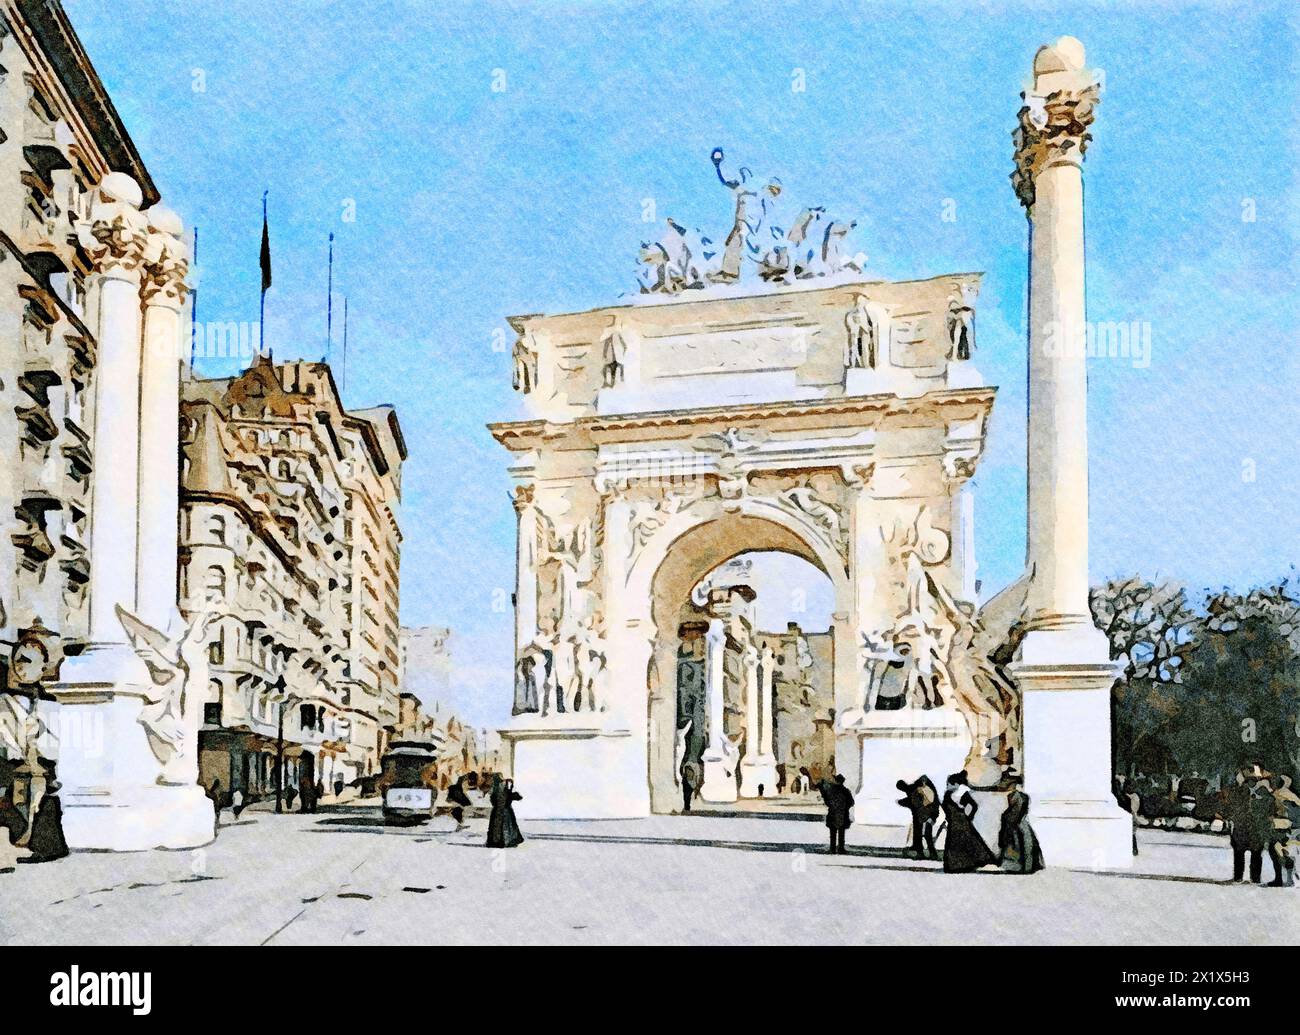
783, 607
758, 705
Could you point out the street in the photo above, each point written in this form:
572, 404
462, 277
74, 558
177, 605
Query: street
340, 877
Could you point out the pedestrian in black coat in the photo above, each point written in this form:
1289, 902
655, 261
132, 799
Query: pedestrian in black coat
839, 803
46, 842
503, 828
1250, 811
965, 850
690, 784
214, 792
1017, 841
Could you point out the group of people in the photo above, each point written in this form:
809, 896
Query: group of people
965, 849
503, 827
1260, 808
308, 796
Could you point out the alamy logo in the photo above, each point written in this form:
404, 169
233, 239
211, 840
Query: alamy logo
102, 988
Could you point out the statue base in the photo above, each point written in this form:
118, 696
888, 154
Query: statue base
573, 769
111, 792
758, 772
719, 779
876, 749
863, 381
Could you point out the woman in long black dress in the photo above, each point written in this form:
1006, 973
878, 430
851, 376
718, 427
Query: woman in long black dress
1017, 841
964, 850
503, 828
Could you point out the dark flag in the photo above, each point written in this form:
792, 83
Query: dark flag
266, 249
265, 262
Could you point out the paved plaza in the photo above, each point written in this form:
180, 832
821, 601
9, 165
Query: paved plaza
341, 877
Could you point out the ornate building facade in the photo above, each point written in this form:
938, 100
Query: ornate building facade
290, 538
92, 274
60, 138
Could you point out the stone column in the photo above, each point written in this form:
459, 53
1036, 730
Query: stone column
1049, 180
757, 768
115, 238
957, 474
525, 586
1063, 669
163, 292
719, 774
122, 790
766, 665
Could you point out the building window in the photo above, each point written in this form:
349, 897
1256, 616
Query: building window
217, 528
212, 714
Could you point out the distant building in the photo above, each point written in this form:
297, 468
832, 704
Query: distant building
289, 533
426, 662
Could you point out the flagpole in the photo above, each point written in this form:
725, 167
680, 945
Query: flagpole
194, 301
329, 305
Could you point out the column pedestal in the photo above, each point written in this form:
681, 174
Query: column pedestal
1067, 764
109, 777
719, 778
756, 772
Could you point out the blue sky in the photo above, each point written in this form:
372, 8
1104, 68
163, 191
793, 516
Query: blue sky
472, 204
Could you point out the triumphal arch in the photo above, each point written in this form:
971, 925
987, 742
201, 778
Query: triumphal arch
814, 412
761, 393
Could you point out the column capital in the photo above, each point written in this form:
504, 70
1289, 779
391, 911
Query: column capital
958, 467
857, 474
115, 234
165, 261
523, 497
163, 280
116, 244
1056, 115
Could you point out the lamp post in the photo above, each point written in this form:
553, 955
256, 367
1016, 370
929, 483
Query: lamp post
279, 686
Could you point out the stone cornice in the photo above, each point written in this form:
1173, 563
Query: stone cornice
56, 53
763, 304
523, 435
